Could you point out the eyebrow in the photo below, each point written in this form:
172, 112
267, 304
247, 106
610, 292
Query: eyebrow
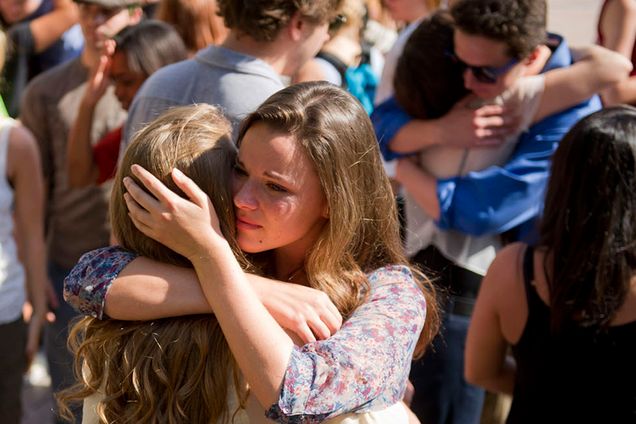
270, 174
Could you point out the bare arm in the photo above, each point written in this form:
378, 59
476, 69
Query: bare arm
80, 164
595, 69
48, 28
486, 363
146, 290
25, 172
460, 127
420, 185
619, 34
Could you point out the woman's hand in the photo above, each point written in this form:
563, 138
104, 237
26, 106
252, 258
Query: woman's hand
189, 227
306, 312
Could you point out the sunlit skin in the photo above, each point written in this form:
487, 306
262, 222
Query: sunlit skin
475, 50
278, 198
125, 81
100, 23
406, 10
316, 35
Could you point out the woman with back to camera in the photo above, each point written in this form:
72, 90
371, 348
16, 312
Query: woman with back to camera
567, 306
313, 208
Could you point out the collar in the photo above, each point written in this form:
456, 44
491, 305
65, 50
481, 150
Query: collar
561, 56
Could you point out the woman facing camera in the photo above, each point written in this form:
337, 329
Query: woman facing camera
313, 207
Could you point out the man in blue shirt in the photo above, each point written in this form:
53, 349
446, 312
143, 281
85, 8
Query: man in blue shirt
496, 43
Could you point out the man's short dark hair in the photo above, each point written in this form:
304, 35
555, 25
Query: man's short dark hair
520, 24
263, 19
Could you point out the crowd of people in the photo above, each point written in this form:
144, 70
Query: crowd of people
348, 211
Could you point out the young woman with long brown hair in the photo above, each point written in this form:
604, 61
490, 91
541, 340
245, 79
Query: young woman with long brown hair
315, 208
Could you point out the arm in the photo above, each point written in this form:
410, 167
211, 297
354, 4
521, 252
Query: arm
383, 331
399, 134
48, 28
24, 171
595, 68
420, 185
497, 199
115, 281
486, 362
40, 33
80, 164
619, 34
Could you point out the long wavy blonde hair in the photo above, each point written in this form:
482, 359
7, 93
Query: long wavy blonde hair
171, 370
362, 232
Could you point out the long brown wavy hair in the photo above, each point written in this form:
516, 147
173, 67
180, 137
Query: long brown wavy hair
171, 370
362, 232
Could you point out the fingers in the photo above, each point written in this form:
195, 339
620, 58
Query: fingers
190, 188
320, 330
139, 216
162, 193
305, 334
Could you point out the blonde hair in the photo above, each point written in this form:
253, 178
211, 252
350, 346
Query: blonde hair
362, 232
171, 370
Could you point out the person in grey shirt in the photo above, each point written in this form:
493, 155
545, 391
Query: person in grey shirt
268, 41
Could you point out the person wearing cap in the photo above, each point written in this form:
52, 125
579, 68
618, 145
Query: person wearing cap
267, 43
76, 218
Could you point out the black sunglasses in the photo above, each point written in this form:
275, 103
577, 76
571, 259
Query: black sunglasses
485, 74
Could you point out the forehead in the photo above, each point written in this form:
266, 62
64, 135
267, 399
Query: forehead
96, 8
476, 50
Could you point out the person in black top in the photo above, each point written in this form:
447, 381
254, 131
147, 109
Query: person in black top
567, 307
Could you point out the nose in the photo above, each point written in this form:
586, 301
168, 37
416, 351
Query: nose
244, 195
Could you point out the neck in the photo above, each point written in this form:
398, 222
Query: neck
271, 52
289, 268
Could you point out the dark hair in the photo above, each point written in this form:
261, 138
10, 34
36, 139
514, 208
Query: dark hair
263, 19
589, 221
150, 45
427, 81
520, 24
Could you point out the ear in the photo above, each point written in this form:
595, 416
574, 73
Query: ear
296, 27
325, 211
536, 60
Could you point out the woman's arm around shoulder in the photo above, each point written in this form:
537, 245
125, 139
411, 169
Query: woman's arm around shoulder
486, 344
365, 365
594, 69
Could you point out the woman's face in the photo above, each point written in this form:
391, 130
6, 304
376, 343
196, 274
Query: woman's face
126, 82
277, 195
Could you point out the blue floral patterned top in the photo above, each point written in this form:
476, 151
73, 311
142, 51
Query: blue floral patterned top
363, 367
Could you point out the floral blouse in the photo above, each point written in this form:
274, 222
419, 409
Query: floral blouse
363, 367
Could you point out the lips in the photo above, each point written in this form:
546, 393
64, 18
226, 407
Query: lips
244, 224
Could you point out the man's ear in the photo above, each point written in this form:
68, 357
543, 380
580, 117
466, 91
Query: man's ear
536, 60
296, 27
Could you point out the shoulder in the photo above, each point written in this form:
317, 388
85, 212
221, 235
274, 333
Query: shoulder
22, 145
391, 274
507, 260
54, 79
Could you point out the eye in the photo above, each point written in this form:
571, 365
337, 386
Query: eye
277, 188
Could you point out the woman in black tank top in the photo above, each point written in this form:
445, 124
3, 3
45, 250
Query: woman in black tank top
567, 308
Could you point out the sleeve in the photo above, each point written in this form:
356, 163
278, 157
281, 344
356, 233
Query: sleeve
86, 286
388, 118
365, 365
498, 199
